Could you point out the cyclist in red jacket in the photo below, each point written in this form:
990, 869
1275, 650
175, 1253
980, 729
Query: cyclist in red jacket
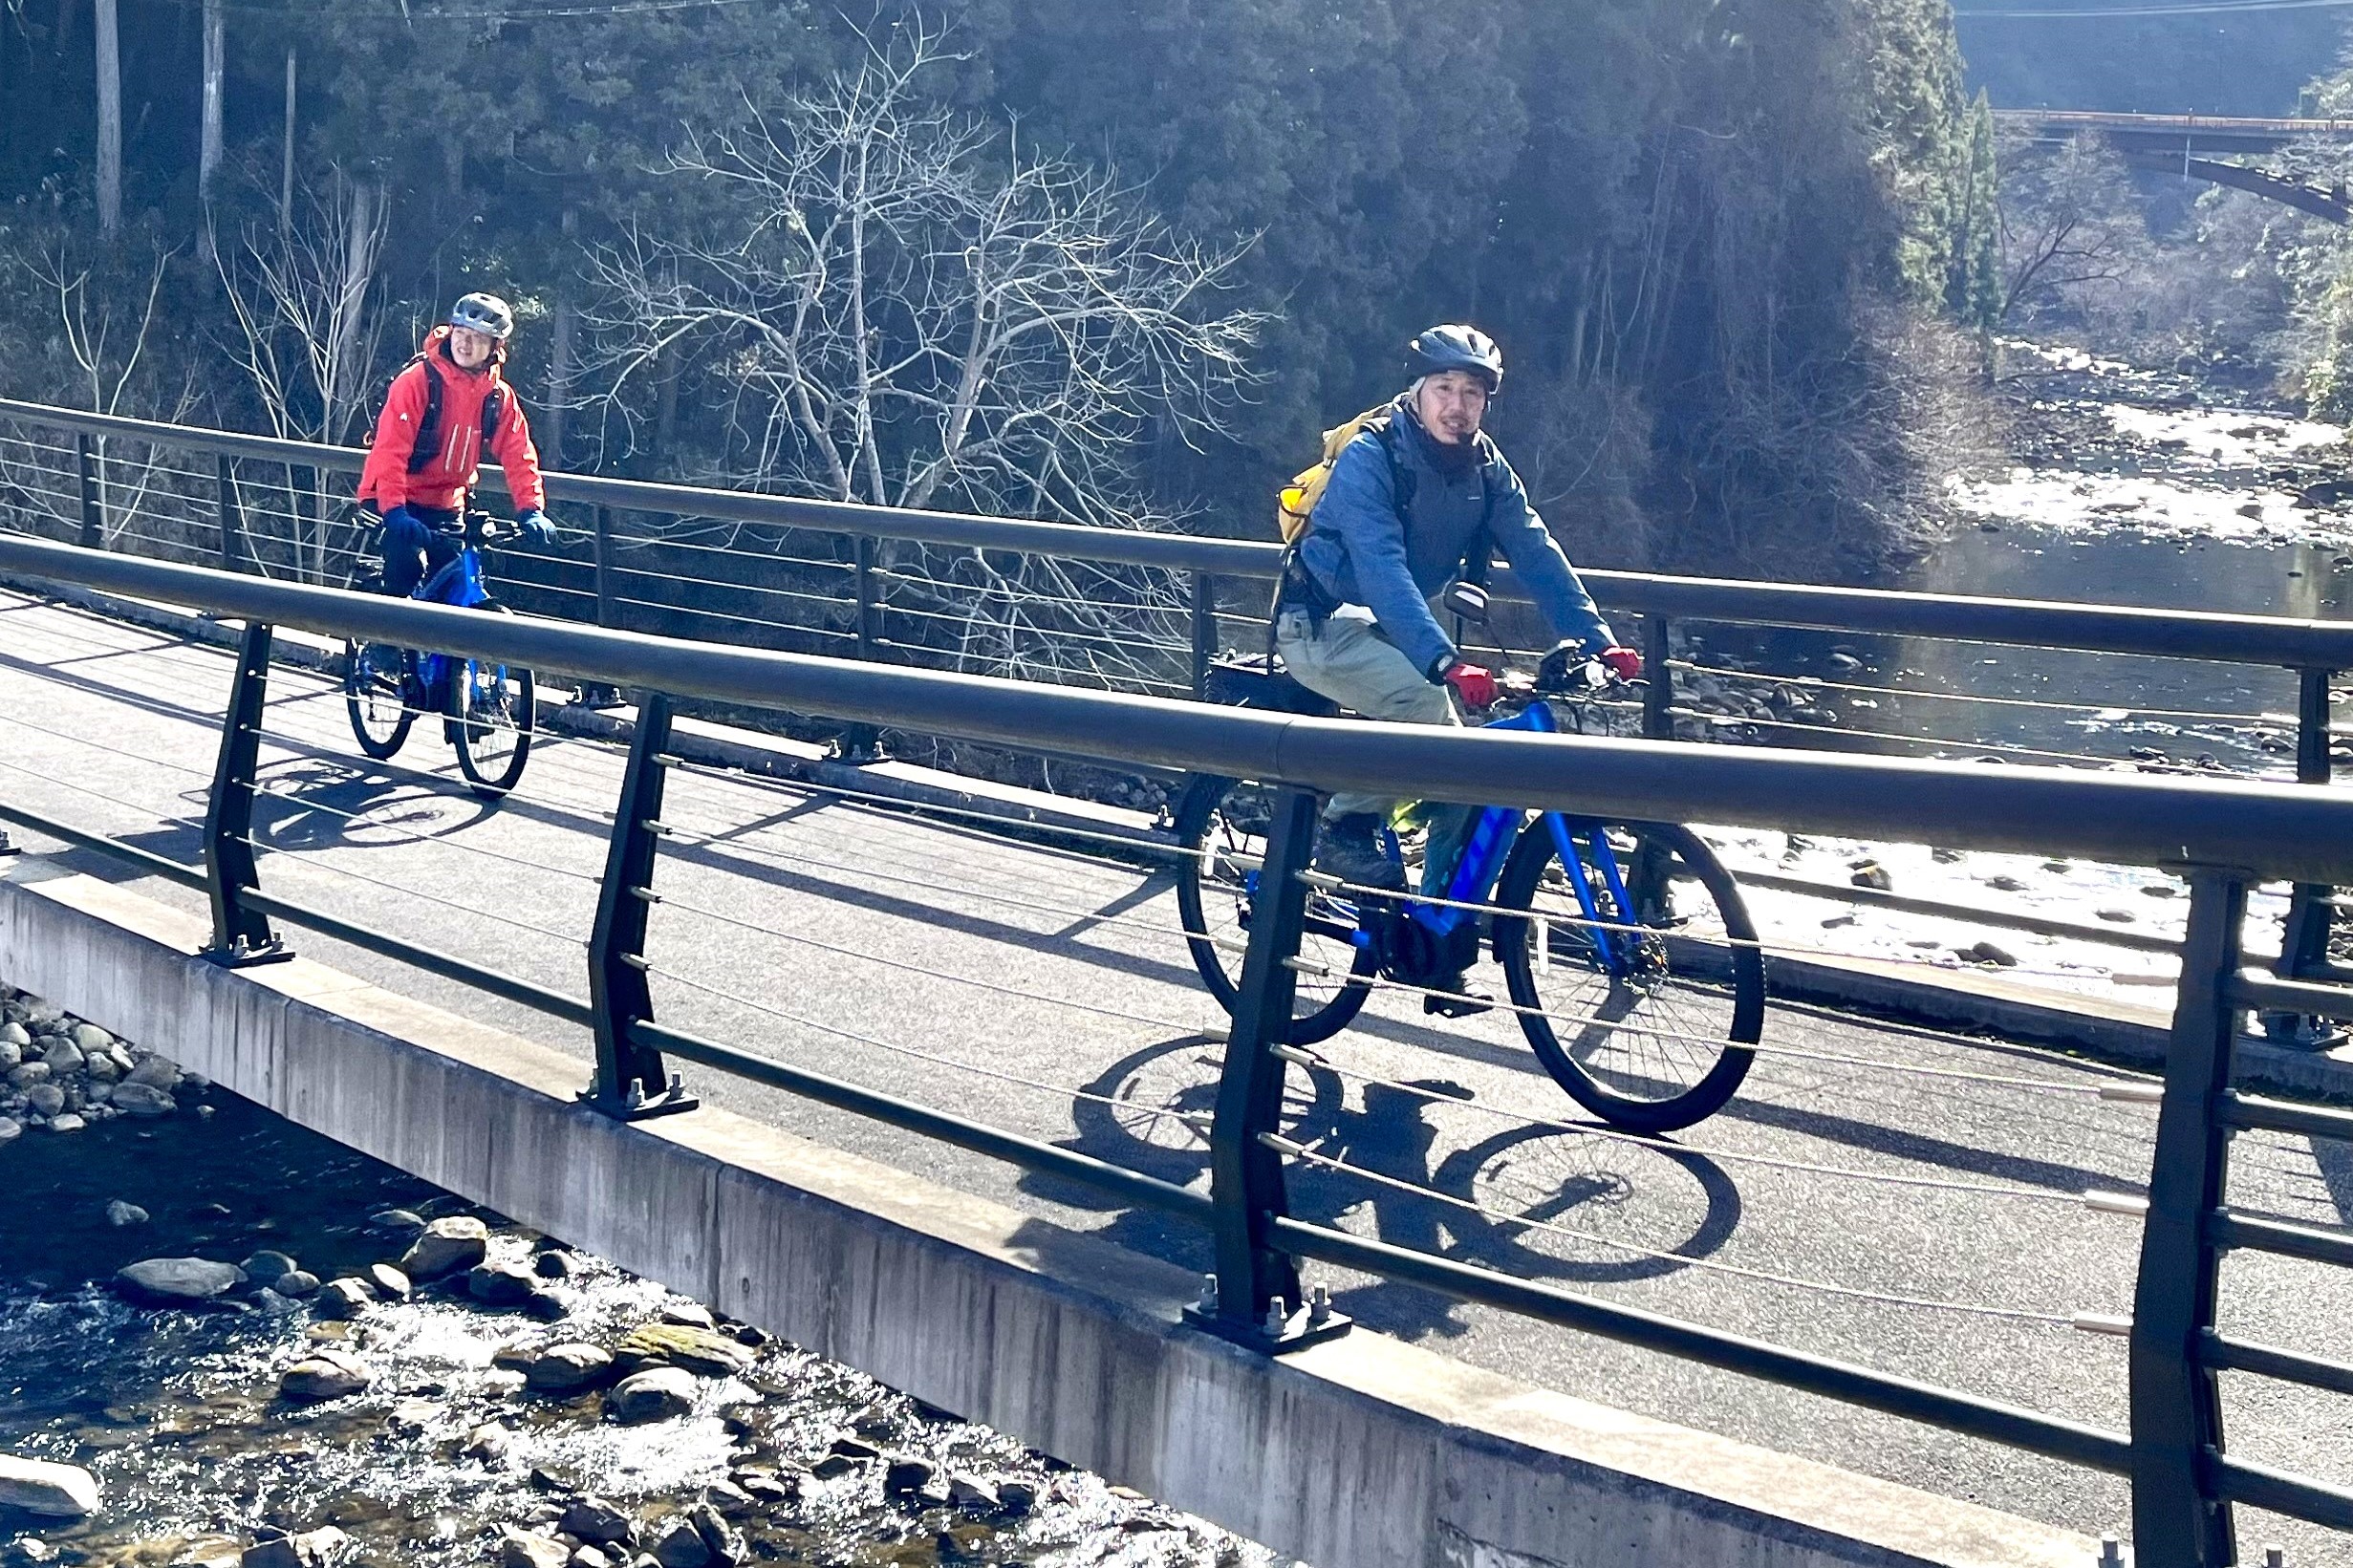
444, 410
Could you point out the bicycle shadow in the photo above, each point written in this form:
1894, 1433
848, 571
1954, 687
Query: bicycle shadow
314, 804
1135, 1115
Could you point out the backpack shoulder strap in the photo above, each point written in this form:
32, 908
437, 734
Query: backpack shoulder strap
429, 428
1402, 483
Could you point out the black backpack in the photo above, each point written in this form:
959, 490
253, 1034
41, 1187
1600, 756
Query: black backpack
429, 428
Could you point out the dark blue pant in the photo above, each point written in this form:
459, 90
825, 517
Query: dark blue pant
419, 541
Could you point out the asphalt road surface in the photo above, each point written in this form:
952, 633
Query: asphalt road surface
1915, 1208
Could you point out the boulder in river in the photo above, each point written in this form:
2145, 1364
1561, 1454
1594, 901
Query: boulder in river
119, 1213
134, 1099
500, 1284
341, 1299
386, 1281
179, 1280
319, 1548
655, 1394
1873, 874
11, 1128
156, 1072
67, 1122
679, 1545
700, 1350
62, 1057
323, 1375
45, 1099
568, 1368
719, 1537
296, 1283
269, 1263
528, 1548
445, 1246
600, 1523
46, 1487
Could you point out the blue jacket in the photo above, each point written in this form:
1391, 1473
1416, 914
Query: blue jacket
1360, 550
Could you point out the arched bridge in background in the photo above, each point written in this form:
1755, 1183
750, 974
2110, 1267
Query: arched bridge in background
2199, 147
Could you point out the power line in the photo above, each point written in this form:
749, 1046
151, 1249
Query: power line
2194, 7
510, 13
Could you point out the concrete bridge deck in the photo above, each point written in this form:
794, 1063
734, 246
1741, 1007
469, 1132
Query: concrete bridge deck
955, 946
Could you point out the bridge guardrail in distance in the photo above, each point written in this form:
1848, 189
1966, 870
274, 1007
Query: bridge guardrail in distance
2222, 836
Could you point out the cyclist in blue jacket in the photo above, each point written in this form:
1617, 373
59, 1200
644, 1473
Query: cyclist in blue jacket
1408, 506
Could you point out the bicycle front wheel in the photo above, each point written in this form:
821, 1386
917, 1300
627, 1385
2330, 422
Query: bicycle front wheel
372, 689
1645, 1015
1222, 824
495, 710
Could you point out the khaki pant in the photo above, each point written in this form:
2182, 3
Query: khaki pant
1346, 658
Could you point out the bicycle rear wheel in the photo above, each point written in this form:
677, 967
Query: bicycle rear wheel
494, 710
1221, 823
373, 693
1644, 1016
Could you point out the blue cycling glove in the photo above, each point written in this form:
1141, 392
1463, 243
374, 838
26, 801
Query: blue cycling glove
536, 526
405, 529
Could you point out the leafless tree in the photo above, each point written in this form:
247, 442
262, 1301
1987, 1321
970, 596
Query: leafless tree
302, 290
2071, 231
908, 307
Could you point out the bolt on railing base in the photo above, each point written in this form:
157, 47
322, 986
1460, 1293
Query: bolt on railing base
1281, 1332
244, 955
8, 846
598, 696
637, 1105
857, 744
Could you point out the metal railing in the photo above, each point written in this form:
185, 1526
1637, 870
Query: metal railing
2222, 836
996, 595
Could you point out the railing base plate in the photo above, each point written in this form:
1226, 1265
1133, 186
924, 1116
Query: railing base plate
1300, 1330
242, 956
669, 1102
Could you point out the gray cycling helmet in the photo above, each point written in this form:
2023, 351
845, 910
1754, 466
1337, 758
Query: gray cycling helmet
485, 314
1457, 347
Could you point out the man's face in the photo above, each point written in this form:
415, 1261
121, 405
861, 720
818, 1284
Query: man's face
1450, 405
469, 347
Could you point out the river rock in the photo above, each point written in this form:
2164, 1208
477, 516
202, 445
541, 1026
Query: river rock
171, 1279
25, 1074
67, 1122
653, 1395
45, 1099
568, 1368
102, 1067
970, 1491
549, 1306
269, 1263
445, 1246
500, 1284
51, 1489
1873, 874
555, 1264
585, 1555
386, 1281
319, 1548
719, 1537
156, 1071
325, 1374
340, 1300
1986, 953
11, 1128
11, 1057
701, 1350
297, 1284
907, 1475
119, 1213
767, 1486
1017, 1497
62, 1055
134, 1099
678, 1544
690, 1315
591, 1519
527, 1549
89, 1037
14, 1034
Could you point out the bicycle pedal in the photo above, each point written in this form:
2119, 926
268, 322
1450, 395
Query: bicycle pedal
1455, 1007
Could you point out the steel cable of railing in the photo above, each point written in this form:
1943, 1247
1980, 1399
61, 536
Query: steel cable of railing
736, 620
1816, 683
703, 911
978, 619
321, 863
2118, 1203
2098, 1322
148, 812
633, 543
1059, 1090
2076, 759
949, 587
831, 600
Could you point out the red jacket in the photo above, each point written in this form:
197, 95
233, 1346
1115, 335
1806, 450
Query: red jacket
451, 469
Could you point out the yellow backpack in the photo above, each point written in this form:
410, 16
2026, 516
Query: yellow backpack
1297, 501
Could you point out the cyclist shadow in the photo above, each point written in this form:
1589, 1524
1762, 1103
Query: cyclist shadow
310, 804
1140, 1113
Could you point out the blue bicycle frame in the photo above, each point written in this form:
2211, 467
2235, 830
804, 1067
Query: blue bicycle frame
1488, 844
459, 582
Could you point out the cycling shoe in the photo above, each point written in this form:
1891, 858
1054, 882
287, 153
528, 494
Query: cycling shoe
1350, 848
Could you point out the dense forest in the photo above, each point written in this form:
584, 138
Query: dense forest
1116, 260
2261, 61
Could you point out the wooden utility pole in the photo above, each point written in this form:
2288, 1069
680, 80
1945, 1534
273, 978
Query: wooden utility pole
110, 120
286, 172
208, 144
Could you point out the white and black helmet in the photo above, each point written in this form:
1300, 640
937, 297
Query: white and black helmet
484, 313
1448, 347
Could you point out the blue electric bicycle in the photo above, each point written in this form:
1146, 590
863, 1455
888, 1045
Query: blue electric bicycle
488, 710
1631, 959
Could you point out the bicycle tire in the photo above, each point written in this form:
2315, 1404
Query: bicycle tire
1664, 1069
1324, 1006
380, 716
473, 719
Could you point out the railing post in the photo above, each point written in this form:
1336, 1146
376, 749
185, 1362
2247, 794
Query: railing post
1658, 695
2178, 1521
630, 1082
1205, 632
93, 516
241, 935
1256, 1288
229, 514
2303, 948
597, 694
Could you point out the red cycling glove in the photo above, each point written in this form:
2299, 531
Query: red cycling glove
1473, 683
1623, 663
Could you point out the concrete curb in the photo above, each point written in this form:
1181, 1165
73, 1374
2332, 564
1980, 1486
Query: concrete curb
2110, 1031
1364, 1450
